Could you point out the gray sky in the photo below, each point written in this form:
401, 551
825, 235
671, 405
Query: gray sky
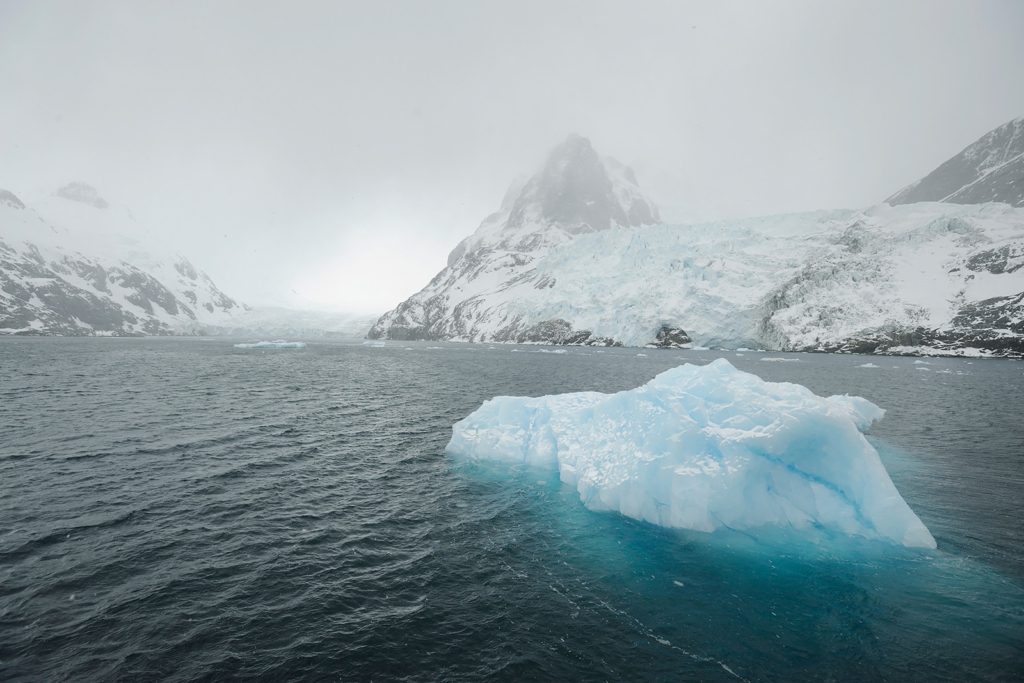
331, 154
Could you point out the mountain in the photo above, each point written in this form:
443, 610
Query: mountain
71, 264
577, 256
989, 170
575, 193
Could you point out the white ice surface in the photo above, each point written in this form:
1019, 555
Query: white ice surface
705, 447
280, 344
776, 282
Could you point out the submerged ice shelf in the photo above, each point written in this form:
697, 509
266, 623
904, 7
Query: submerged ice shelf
705, 447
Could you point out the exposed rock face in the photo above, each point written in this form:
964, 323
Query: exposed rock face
81, 192
671, 338
58, 279
989, 170
8, 199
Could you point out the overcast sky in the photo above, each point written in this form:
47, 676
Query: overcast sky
331, 154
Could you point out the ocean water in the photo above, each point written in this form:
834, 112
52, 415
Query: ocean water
181, 510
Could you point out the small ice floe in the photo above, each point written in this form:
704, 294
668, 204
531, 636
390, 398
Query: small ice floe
868, 365
641, 355
279, 344
925, 369
781, 360
921, 362
374, 342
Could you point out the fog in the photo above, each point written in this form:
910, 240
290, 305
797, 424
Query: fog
329, 155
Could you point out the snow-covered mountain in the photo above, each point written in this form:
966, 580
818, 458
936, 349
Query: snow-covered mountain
576, 256
989, 170
71, 264
575, 193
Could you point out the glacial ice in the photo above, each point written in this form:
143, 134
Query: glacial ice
705, 447
279, 344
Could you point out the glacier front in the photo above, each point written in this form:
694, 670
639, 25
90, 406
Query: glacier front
705, 447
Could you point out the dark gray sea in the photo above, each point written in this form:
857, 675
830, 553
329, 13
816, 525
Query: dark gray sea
181, 510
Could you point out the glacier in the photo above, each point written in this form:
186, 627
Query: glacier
704, 448
279, 344
578, 256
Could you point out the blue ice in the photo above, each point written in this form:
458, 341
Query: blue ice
705, 447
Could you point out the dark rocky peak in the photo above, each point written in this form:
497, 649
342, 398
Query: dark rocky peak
989, 170
7, 198
574, 190
82, 192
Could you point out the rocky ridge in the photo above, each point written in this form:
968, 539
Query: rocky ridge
72, 265
990, 169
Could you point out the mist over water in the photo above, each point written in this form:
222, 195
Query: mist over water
177, 509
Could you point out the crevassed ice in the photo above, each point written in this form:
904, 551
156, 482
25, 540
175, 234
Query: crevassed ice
704, 447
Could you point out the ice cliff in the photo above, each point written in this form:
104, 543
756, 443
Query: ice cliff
705, 447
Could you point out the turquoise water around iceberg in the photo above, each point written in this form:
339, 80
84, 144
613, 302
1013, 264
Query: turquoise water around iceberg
181, 510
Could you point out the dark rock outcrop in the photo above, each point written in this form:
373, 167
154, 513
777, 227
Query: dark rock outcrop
84, 193
671, 338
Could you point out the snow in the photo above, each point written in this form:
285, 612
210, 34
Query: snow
69, 238
784, 282
279, 344
702, 448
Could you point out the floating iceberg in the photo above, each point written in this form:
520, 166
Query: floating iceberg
374, 342
279, 344
704, 447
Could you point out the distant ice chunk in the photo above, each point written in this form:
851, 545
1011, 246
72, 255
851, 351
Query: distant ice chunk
705, 447
374, 342
279, 344
868, 365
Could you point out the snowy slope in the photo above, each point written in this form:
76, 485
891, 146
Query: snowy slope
989, 170
71, 264
929, 276
575, 193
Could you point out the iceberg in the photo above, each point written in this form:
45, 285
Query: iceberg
704, 448
279, 344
